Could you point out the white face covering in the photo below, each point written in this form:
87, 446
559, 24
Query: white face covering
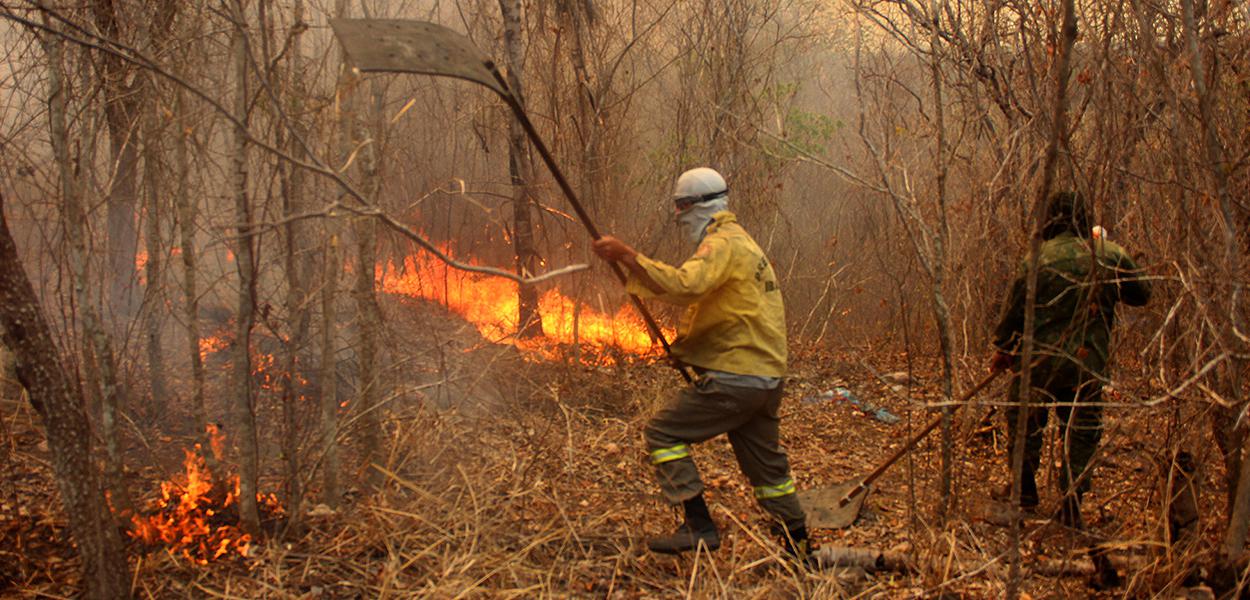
694, 220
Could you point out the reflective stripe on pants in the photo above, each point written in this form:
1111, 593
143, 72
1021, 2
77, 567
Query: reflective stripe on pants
662, 455
768, 492
750, 418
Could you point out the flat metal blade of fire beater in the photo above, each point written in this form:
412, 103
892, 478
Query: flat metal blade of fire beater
838, 506
406, 46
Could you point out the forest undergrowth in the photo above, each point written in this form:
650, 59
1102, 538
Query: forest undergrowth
539, 487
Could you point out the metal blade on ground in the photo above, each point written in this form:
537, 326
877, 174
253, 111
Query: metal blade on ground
838, 509
822, 505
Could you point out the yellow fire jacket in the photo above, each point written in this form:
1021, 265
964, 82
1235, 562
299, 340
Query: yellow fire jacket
736, 321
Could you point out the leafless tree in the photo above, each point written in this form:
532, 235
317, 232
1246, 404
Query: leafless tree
521, 171
298, 247
244, 395
41, 372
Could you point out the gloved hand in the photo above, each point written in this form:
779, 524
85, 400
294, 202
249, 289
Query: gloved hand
610, 248
1001, 361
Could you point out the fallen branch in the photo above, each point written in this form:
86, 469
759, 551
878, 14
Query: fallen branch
865, 558
1083, 567
875, 561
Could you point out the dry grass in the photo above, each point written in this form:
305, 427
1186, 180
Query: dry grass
529, 481
551, 497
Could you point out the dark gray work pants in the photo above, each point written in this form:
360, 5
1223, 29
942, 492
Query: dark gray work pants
749, 416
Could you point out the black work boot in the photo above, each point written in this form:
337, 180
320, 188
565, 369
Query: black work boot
797, 545
1105, 576
697, 530
1028, 489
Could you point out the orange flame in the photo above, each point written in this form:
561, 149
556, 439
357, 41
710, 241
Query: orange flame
209, 345
491, 305
192, 516
216, 440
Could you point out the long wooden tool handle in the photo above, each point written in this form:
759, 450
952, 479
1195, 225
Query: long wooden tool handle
582, 215
915, 439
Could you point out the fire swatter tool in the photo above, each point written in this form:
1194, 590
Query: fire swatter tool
420, 47
837, 506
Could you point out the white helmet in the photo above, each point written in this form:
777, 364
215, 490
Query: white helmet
699, 185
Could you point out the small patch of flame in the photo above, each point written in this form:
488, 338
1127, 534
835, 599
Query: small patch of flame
191, 518
211, 344
263, 372
216, 439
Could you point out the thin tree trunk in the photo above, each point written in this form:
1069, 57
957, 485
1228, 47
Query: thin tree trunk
298, 273
330, 490
1051, 158
520, 169
121, 111
162, 13
244, 399
355, 138
153, 268
368, 313
106, 575
96, 342
187, 215
579, 19
941, 312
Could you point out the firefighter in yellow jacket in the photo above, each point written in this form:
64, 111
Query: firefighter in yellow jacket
734, 337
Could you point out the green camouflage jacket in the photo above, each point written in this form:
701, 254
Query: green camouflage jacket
1075, 307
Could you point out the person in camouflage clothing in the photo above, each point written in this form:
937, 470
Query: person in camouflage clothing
1081, 277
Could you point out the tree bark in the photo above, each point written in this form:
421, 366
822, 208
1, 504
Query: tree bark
521, 171
868, 559
298, 272
941, 312
244, 399
357, 138
122, 101
153, 267
330, 488
96, 343
40, 371
364, 292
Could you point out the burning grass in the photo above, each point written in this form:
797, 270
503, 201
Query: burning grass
490, 304
212, 344
196, 514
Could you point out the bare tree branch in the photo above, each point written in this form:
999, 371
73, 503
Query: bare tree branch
329, 212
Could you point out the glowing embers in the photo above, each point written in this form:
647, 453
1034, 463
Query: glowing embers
196, 515
490, 304
209, 345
